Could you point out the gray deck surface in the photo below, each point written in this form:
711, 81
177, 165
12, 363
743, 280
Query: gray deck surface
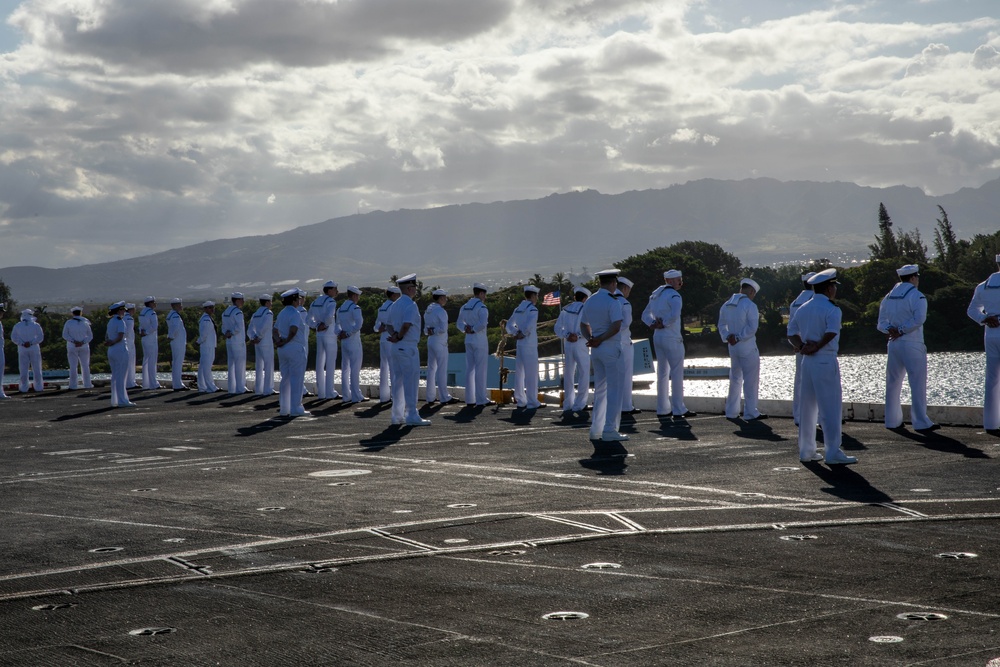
202, 530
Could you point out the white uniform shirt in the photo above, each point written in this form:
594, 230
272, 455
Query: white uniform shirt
568, 321
626, 333
402, 311
350, 319
117, 325
129, 326
524, 320
665, 306
473, 314
260, 325
77, 330
291, 317
435, 320
232, 323
904, 308
601, 311
27, 331
739, 316
382, 319
802, 298
148, 322
206, 331
175, 326
986, 302
813, 320
323, 310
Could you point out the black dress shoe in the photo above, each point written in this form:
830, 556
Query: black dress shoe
760, 417
689, 413
929, 429
635, 411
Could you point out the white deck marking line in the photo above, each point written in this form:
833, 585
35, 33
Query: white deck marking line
575, 524
632, 525
402, 540
72, 451
903, 510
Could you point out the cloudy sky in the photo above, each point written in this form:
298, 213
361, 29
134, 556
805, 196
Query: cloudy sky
129, 127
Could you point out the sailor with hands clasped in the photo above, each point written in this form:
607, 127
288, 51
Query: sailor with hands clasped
349, 322
523, 326
984, 309
234, 330
576, 352
78, 334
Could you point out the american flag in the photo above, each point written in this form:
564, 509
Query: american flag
551, 299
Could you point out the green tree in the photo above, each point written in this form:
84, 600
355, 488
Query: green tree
949, 249
885, 246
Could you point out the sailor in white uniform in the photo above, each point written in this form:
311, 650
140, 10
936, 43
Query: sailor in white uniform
901, 317
738, 323
149, 329
235, 331
290, 340
322, 318
78, 334
803, 296
349, 322
523, 326
628, 356
3, 360
815, 332
404, 328
300, 306
129, 320
576, 352
984, 309
472, 320
28, 336
601, 322
116, 340
206, 342
385, 375
259, 333
436, 330
663, 314
177, 337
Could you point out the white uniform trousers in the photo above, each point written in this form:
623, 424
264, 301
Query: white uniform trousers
821, 399
350, 368
118, 359
669, 366
149, 353
326, 364
206, 357
991, 395
744, 374
577, 363
292, 363
263, 377
476, 357
406, 359
628, 368
178, 348
437, 368
3, 367
130, 371
797, 389
607, 413
236, 363
906, 358
79, 364
385, 375
526, 375
30, 358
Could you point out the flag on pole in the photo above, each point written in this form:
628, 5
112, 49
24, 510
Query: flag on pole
551, 299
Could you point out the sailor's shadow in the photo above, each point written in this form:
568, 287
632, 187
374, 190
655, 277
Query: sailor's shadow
521, 416
466, 415
81, 415
934, 441
847, 483
263, 427
233, 401
388, 437
756, 430
609, 458
675, 430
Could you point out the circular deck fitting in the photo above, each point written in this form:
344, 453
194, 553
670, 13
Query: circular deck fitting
565, 616
175, 539
339, 473
341, 484
459, 506
508, 552
53, 607
149, 632
921, 616
786, 469
105, 550
143, 490
798, 538
270, 509
601, 566
957, 555
885, 639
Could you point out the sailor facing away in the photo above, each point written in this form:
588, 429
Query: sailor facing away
206, 342
3, 360
803, 296
901, 317
290, 340
177, 337
404, 334
628, 364
235, 332
523, 326
436, 330
129, 320
148, 329
984, 309
116, 340
349, 322
663, 314
738, 323
28, 336
815, 332
259, 333
322, 318
601, 322
473, 319
385, 376
78, 334
577, 354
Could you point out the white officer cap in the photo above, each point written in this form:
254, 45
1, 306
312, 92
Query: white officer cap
116, 305
265, 297
531, 288
129, 306
439, 292
354, 289
672, 273
27, 313
751, 282
393, 289
622, 280
3, 306
236, 295
607, 272
176, 299
807, 276
290, 292
998, 259
148, 300
829, 275
408, 278
907, 270
76, 309
579, 289
329, 283
208, 304
477, 286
